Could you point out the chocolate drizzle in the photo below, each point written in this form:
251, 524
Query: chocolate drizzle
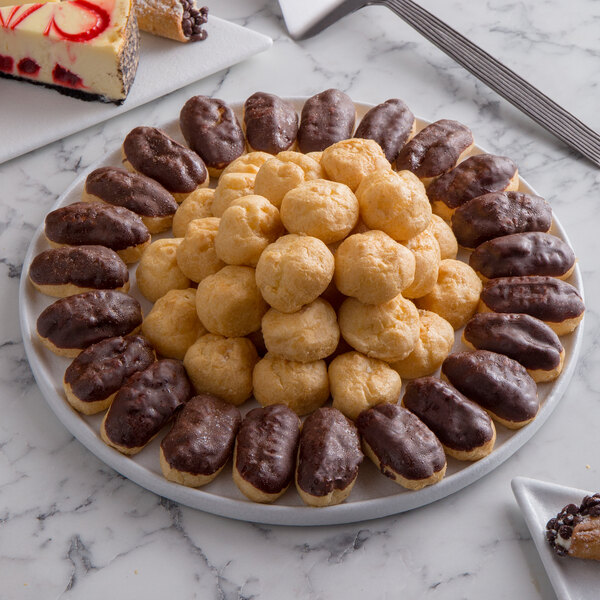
435, 149
475, 176
495, 382
154, 154
146, 403
563, 525
520, 254
79, 321
138, 193
271, 123
94, 267
546, 298
329, 454
326, 118
499, 213
521, 337
458, 423
266, 447
89, 223
402, 443
202, 437
100, 370
389, 124
211, 129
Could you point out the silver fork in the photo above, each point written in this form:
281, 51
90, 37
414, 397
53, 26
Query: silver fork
486, 68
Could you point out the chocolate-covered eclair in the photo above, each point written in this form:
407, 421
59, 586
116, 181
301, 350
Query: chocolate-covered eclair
98, 223
390, 124
326, 118
140, 194
402, 447
521, 337
71, 324
212, 130
151, 152
499, 213
435, 150
551, 300
265, 452
497, 383
464, 429
200, 442
96, 375
144, 405
271, 123
522, 254
475, 176
329, 455
69, 270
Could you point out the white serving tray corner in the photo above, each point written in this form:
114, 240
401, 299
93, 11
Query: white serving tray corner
165, 66
572, 579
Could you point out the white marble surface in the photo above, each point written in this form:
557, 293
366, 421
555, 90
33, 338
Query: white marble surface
72, 528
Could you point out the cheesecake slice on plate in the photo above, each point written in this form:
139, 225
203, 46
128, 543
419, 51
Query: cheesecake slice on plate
83, 48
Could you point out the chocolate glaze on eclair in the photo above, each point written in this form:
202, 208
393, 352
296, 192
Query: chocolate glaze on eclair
144, 405
71, 270
96, 375
497, 383
401, 446
71, 324
499, 213
200, 442
329, 455
390, 124
265, 452
464, 429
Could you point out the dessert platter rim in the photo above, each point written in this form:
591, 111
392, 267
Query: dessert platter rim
277, 513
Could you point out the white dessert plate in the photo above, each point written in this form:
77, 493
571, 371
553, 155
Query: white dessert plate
299, 17
572, 579
373, 495
165, 66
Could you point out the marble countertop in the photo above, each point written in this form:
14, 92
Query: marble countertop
73, 528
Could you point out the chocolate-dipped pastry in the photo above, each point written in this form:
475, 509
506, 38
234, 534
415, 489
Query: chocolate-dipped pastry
326, 118
97, 223
499, 213
69, 270
179, 20
271, 123
144, 405
96, 375
390, 124
521, 254
140, 194
435, 150
151, 152
475, 176
200, 442
575, 531
521, 337
402, 447
328, 458
265, 452
71, 324
212, 130
551, 300
465, 429
497, 383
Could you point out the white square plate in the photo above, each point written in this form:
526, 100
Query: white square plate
33, 116
572, 579
300, 16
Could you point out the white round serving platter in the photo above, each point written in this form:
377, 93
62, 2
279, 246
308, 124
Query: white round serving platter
373, 495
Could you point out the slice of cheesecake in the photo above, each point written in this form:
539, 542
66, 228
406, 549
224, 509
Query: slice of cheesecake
83, 48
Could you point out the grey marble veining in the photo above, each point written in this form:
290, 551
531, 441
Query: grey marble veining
70, 527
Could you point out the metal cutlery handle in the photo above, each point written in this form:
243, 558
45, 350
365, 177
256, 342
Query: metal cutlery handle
500, 78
